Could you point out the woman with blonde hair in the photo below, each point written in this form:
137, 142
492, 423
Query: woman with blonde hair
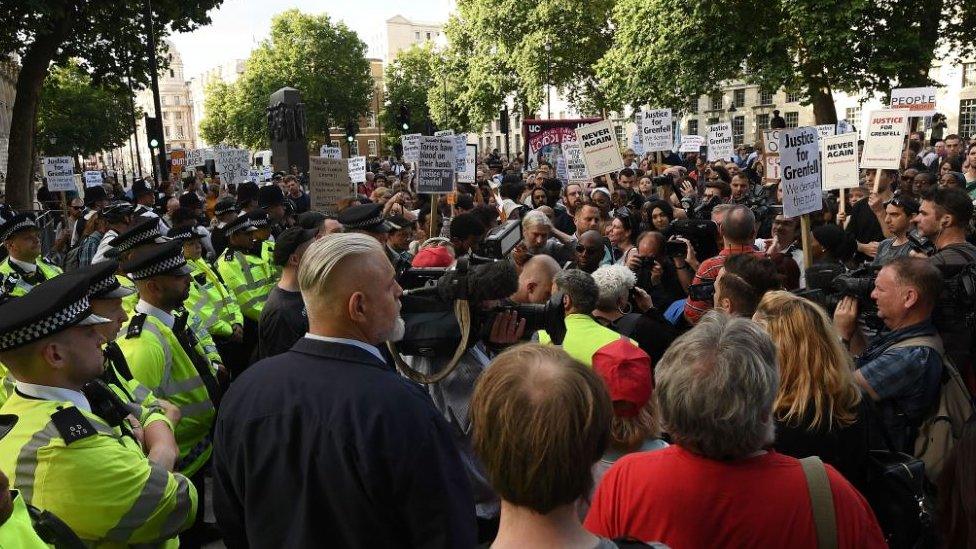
818, 407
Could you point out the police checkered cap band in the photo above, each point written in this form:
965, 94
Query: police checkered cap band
225, 209
22, 224
142, 237
238, 225
263, 222
103, 286
117, 208
46, 326
164, 266
367, 222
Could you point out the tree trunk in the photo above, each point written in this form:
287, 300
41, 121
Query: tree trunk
824, 110
23, 120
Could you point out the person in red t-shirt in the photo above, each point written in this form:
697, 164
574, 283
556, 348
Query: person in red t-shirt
717, 486
738, 228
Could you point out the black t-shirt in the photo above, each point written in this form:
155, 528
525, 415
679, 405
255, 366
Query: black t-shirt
949, 315
863, 227
283, 322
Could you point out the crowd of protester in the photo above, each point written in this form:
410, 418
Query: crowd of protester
696, 382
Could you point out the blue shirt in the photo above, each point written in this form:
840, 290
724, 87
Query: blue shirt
906, 378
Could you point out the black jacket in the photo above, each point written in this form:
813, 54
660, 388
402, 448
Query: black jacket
326, 446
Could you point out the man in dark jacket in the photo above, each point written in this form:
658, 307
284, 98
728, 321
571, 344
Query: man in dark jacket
326, 445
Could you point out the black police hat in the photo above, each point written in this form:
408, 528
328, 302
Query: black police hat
157, 260
94, 194
240, 223
364, 217
190, 199
50, 307
246, 192
15, 224
226, 204
103, 282
399, 222
258, 219
140, 187
144, 231
290, 240
311, 220
186, 233
270, 195
116, 211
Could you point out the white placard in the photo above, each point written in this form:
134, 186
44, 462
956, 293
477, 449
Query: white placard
771, 173
266, 173
575, 167
443, 133
254, 176
920, 101
328, 181
825, 130
435, 169
840, 169
562, 172
411, 147
357, 169
843, 126
656, 131
720, 146
460, 152
884, 139
799, 154
635, 142
60, 173
328, 151
233, 165
470, 164
691, 144
93, 179
601, 153
771, 141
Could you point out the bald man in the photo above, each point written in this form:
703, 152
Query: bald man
535, 280
360, 452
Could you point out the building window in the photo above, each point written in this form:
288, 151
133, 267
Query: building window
792, 97
762, 121
179, 132
765, 97
693, 106
968, 75
176, 100
738, 130
716, 101
354, 148
416, 35
371, 145
619, 130
792, 119
428, 36
967, 117
498, 142
853, 115
739, 97
335, 143
166, 132
713, 120
693, 126
165, 115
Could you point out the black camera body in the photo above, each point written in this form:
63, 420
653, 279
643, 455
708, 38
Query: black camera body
921, 244
828, 284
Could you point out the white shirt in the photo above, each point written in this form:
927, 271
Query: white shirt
354, 342
152, 310
25, 266
59, 394
103, 246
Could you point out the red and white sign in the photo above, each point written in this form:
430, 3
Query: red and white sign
920, 101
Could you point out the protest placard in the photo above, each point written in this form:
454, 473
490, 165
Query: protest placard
232, 165
60, 173
328, 151
357, 169
254, 176
720, 146
635, 142
93, 178
328, 181
840, 169
443, 133
601, 153
884, 139
919, 101
575, 167
177, 161
460, 151
411, 147
562, 172
266, 173
656, 131
799, 154
771, 141
435, 168
844, 126
770, 156
470, 164
826, 129
691, 143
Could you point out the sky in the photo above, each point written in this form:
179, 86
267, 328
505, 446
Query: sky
239, 25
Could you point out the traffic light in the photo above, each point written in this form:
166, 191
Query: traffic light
154, 133
352, 128
404, 118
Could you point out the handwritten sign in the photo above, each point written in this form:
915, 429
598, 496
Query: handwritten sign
60, 173
601, 153
328, 182
799, 153
328, 151
411, 147
357, 169
233, 165
575, 166
691, 143
93, 179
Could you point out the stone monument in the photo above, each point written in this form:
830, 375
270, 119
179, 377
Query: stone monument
286, 130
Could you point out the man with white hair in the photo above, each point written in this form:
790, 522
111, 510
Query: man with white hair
360, 454
540, 237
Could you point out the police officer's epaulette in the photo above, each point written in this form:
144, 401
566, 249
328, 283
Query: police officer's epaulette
72, 424
135, 326
201, 278
229, 254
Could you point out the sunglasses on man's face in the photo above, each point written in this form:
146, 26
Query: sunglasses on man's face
581, 249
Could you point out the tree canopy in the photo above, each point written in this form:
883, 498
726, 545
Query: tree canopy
408, 79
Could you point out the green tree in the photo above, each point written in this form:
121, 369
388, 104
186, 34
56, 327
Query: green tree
218, 103
323, 60
78, 117
814, 47
408, 78
107, 38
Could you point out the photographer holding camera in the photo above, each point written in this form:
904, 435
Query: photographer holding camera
656, 269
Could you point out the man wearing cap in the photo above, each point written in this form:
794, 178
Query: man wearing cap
88, 470
225, 210
398, 242
272, 201
117, 217
145, 199
284, 319
366, 219
263, 236
23, 268
249, 277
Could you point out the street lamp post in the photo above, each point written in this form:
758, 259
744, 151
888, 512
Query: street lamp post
154, 84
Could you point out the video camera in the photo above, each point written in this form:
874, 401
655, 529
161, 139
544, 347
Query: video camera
828, 284
702, 234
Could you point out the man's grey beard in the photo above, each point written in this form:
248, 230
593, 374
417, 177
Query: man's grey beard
397, 332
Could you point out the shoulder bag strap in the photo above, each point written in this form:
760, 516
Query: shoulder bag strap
821, 501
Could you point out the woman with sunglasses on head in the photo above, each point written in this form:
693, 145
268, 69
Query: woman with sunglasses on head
621, 232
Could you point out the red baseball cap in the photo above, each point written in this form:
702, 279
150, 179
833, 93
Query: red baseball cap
626, 370
438, 256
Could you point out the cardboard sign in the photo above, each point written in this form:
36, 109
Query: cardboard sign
60, 173
635, 143
411, 147
328, 151
177, 161
840, 170
799, 154
460, 152
435, 169
328, 181
884, 139
601, 153
691, 144
199, 157
720, 146
266, 173
772, 169
843, 126
771, 141
575, 166
93, 179
254, 176
443, 133
920, 101
469, 173
357, 169
233, 165
562, 172
656, 131
825, 130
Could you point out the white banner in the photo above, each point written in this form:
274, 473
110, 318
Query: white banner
93, 179
799, 154
435, 169
575, 167
328, 151
720, 145
840, 170
920, 101
656, 131
884, 139
771, 141
468, 175
411, 147
601, 153
691, 143
357, 169
60, 173
635, 142
460, 152
825, 130
328, 181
